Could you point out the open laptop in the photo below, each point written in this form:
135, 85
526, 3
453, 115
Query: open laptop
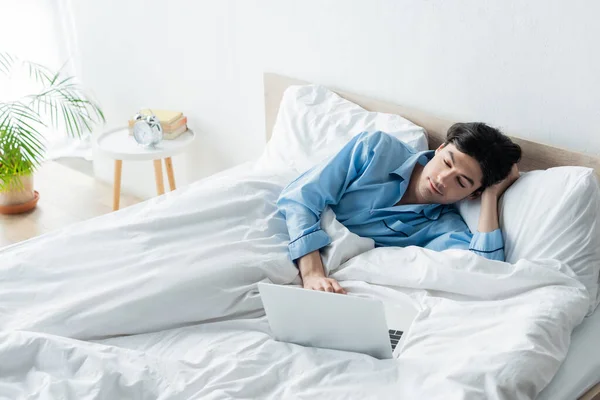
335, 321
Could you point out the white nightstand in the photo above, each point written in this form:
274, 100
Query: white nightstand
119, 145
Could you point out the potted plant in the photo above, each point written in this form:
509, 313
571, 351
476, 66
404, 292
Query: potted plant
57, 102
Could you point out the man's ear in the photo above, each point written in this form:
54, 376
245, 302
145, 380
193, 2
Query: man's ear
440, 147
475, 194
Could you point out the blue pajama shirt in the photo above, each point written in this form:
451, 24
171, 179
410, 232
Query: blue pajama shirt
362, 183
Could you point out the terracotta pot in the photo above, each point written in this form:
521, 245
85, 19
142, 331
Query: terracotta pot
17, 199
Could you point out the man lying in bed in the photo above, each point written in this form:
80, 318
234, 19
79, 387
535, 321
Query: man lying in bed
381, 188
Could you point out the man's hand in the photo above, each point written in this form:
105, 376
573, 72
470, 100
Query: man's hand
323, 284
313, 274
499, 188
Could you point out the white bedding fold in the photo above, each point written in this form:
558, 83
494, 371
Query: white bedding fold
140, 269
500, 330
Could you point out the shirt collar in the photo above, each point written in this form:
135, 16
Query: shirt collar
404, 171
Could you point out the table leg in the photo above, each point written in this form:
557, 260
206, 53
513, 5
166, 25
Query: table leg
170, 174
117, 184
160, 185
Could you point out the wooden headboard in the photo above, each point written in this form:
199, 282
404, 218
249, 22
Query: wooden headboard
535, 155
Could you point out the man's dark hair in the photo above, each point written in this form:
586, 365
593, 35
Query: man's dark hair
494, 151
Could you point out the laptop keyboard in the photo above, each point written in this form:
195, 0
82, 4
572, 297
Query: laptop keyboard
395, 337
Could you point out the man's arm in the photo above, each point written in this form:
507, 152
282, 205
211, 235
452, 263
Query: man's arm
488, 216
490, 243
456, 235
303, 201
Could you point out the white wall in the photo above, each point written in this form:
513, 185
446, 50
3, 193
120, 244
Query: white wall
530, 67
30, 29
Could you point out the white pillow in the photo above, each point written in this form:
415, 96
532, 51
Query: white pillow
553, 213
314, 123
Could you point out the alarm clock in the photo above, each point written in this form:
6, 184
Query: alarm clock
147, 130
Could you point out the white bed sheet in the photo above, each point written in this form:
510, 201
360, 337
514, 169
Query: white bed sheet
581, 369
175, 279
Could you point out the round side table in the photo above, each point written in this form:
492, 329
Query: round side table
119, 145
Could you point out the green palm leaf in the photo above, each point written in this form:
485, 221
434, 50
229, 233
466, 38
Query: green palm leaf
60, 103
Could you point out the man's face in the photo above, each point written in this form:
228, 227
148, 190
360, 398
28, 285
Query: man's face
450, 176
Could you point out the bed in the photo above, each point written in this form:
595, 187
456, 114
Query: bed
579, 376
159, 300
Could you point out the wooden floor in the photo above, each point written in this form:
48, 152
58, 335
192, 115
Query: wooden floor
66, 196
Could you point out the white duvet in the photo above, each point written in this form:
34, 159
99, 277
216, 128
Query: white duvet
160, 301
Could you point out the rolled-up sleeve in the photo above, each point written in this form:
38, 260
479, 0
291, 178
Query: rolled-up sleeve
303, 200
455, 234
308, 243
488, 244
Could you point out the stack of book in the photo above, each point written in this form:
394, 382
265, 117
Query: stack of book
173, 123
